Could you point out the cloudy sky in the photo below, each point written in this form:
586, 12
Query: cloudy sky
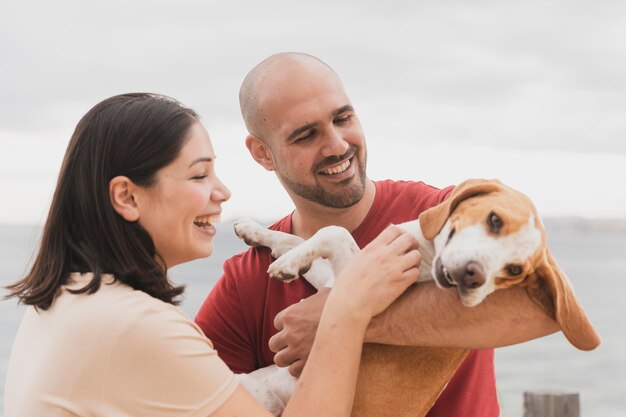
532, 92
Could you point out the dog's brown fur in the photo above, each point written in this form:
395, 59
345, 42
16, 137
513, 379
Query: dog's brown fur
417, 374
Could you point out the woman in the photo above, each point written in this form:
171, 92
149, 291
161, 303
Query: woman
137, 194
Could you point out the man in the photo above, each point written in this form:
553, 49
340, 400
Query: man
302, 126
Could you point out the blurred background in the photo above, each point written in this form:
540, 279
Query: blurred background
532, 93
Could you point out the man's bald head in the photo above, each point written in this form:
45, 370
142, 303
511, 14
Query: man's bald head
271, 77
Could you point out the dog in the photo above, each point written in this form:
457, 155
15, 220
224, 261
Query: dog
484, 237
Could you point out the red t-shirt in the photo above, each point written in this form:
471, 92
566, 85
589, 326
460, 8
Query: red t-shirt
238, 314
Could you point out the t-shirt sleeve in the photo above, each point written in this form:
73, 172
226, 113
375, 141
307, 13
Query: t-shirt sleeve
222, 320
165, 366
427, 197
444, 193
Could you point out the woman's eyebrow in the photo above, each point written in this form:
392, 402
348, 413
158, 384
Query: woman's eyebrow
203, 159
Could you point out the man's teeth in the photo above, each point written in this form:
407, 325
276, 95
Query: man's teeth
207, 220
338, 169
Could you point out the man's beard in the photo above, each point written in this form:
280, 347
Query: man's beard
344, 197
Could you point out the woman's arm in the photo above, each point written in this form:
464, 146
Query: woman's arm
373, 279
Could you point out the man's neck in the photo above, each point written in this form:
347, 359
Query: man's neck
309, 217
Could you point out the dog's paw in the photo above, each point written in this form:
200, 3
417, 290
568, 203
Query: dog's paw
289, 266
249, 231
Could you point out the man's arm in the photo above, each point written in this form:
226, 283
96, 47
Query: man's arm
424, 315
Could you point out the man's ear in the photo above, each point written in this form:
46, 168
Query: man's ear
260, 152
122, 199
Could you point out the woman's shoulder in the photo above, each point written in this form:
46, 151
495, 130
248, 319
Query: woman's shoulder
116, 306
144, 339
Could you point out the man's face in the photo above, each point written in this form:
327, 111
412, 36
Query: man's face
316, 141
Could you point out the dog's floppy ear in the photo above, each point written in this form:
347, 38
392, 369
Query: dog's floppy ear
550, 289
433, 219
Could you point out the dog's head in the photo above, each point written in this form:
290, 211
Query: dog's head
488, 236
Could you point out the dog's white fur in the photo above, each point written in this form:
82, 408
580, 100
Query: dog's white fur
323, 256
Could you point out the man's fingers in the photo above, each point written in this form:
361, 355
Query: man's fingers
279, 320
295, 369
277, 342
283, 359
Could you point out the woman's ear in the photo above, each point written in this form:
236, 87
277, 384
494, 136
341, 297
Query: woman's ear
122, 198
260, 152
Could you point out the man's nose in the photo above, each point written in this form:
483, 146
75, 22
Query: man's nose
334, 143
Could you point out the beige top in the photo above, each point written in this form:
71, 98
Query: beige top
118, 352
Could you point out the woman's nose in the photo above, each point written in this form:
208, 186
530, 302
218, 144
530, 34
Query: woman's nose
220, 193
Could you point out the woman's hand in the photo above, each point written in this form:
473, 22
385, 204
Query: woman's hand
378, 274
381, 272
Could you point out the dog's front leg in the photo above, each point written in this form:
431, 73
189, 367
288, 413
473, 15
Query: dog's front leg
333, 243
256, 235
320, 273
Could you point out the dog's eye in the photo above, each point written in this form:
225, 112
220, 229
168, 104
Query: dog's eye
495, 222
514, 270
450, 235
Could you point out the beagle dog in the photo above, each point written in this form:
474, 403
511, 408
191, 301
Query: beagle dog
484, 237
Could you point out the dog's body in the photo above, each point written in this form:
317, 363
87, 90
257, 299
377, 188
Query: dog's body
484, 237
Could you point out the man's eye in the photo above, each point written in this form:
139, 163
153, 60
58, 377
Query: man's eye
343, 119
308, 136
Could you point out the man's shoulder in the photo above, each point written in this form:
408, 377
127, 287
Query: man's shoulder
416, 192
407, 186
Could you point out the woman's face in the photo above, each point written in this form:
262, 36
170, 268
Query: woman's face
181, 209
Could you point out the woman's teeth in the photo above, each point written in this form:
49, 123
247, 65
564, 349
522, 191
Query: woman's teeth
338, 169
206, 221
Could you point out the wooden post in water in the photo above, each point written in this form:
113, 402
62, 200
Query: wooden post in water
551, 404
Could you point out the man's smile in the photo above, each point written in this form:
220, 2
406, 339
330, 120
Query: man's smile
337, 169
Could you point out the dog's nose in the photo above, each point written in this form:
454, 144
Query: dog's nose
471, 276
474, 275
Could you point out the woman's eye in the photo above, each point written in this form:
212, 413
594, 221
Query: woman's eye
199, 177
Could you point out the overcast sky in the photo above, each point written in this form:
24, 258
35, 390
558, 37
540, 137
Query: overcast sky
532, 92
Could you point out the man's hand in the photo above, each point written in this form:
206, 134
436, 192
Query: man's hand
297, 325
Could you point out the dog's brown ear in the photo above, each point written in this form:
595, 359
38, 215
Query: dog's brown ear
433, 219
550, 289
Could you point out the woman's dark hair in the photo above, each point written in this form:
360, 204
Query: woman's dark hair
133, 135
